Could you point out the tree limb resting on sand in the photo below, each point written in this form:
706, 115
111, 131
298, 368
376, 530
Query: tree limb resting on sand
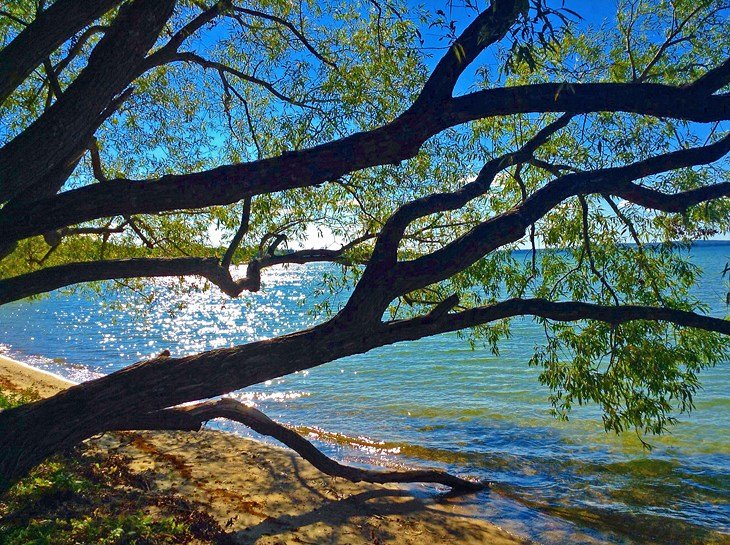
194, 416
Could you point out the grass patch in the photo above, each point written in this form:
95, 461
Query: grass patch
86, 497
78, 499
10, 399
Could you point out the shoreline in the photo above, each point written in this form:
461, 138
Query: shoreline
266, 494
27, 377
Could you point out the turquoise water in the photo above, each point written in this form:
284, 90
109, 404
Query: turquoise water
433, 402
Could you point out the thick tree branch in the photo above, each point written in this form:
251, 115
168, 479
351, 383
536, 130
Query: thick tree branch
59, 276
693, 103
569, 311
672, 202
54, 140
93, 406
713, 80
51, 278
490, 26
40, 38
391, 143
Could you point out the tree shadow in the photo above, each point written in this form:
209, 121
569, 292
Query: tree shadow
377, 515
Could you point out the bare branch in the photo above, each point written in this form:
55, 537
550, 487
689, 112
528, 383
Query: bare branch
96, 166
637, 240
240, 233
192, 417
671, 40
294, 30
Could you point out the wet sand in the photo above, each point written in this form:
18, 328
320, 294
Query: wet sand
268, 495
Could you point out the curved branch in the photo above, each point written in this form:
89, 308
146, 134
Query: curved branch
186, 31
301, 37
510, 226
392, 232
713, 80
240, 233
194, 58
490, 26
193, 417
60, 276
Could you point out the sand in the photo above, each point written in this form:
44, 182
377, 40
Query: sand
268, 495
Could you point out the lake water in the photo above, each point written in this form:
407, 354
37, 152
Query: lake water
433, 402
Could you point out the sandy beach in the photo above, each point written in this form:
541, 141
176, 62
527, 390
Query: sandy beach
267, 495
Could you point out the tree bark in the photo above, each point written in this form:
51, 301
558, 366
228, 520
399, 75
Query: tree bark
32, 432
32, 164
43, 36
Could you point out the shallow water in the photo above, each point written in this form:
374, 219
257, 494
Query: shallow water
433, 402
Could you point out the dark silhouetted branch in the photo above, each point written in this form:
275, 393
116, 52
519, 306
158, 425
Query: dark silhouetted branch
192, 418
240, 233
301, 37
30, 164
59, 276
391, 143
42, 36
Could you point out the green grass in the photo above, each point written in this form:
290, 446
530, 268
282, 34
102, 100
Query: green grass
80, 498
9, 399
134, 529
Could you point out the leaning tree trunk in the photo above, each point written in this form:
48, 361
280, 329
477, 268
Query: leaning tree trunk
128, 399
32, 432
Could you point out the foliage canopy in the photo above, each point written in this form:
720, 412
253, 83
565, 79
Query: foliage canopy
428, 143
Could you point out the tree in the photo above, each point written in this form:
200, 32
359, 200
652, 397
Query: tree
132, 126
